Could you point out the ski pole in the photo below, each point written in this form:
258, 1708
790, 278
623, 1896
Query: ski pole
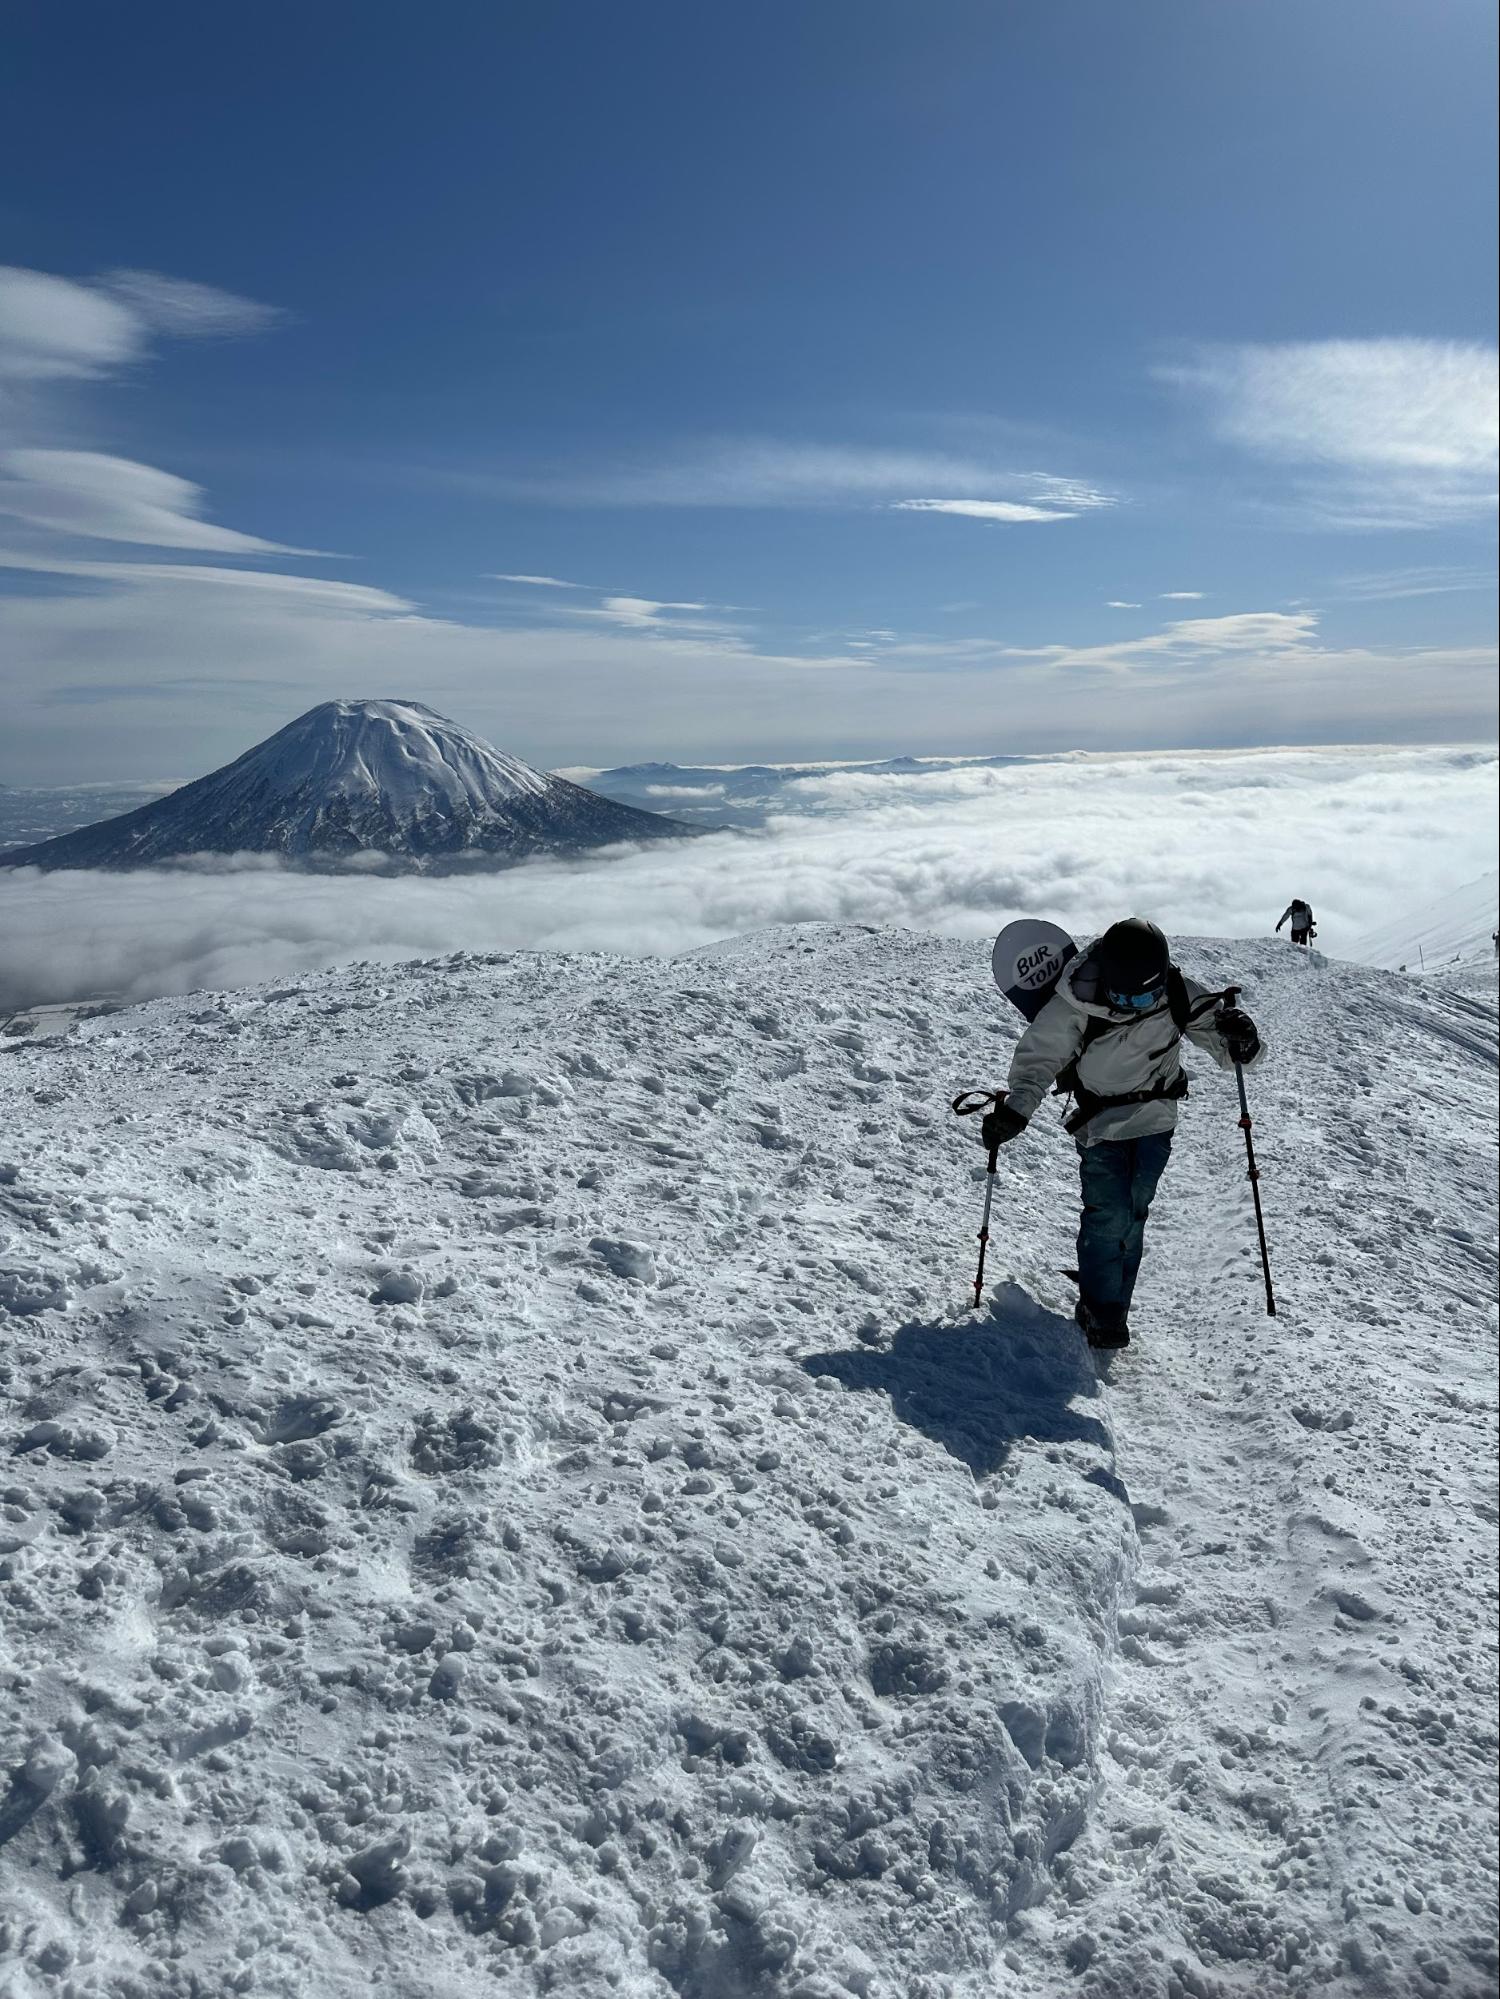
1232, 993
965, 1105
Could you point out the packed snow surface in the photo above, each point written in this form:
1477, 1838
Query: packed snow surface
381, 781
503, 1493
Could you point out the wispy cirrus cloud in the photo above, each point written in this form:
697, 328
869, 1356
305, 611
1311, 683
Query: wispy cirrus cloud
55, 332
769, 472
649, 613
187, 310
96, 496
1252, 671
1186, 651
1120, 604
58, 329
145, 578
1181, 596
1007, 511
1048, 498
1378, 586
1192, 646
1380, 434
626, 608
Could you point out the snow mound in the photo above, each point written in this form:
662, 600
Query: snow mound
351, 782
502, 1489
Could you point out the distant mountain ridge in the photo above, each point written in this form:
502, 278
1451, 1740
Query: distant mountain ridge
381, 783
30, 814
747, 795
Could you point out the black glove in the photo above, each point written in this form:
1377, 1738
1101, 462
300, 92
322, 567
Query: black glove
1238, 1030
1001, 1125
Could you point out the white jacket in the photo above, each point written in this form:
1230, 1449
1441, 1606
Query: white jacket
1140, 1051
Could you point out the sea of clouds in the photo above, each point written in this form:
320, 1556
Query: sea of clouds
1207, 843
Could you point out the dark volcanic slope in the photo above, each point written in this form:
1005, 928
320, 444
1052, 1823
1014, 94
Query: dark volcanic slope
385, 780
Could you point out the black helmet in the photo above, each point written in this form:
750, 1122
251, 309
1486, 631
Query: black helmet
1133, 961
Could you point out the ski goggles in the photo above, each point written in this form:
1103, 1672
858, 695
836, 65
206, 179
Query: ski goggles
1132, 1002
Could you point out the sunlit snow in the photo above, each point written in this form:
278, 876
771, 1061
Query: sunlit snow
504, 1494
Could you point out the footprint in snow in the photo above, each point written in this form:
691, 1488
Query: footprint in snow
300, 1417
624, 1258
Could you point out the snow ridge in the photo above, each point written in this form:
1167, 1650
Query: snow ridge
382, 782
503, 1489
1453, 929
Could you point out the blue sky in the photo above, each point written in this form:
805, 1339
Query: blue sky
880, 377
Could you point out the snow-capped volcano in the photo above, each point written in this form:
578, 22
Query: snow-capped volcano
390, 780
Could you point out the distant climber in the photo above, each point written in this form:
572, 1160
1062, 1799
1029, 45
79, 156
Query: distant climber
1109, 1034
1301, 914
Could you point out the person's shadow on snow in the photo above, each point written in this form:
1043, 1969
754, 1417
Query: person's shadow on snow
978, 1387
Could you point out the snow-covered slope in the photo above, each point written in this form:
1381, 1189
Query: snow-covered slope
383, 781
1457, 928
502, 1494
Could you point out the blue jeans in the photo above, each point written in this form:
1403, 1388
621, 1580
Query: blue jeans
1119, 1181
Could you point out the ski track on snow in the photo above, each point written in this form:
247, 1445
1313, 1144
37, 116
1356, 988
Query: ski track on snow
499, 1485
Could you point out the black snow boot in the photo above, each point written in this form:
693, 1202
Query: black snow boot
1104, 1328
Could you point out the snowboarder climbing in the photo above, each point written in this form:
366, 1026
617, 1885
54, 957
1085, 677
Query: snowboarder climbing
1302, 922
1109, 1035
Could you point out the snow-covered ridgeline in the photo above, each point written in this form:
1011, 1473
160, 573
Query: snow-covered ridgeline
503, 1487
1433, 936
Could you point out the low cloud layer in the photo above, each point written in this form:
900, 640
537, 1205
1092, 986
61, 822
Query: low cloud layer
1207, 843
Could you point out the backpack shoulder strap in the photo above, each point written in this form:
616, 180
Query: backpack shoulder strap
1066, 1083
1178, 1004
